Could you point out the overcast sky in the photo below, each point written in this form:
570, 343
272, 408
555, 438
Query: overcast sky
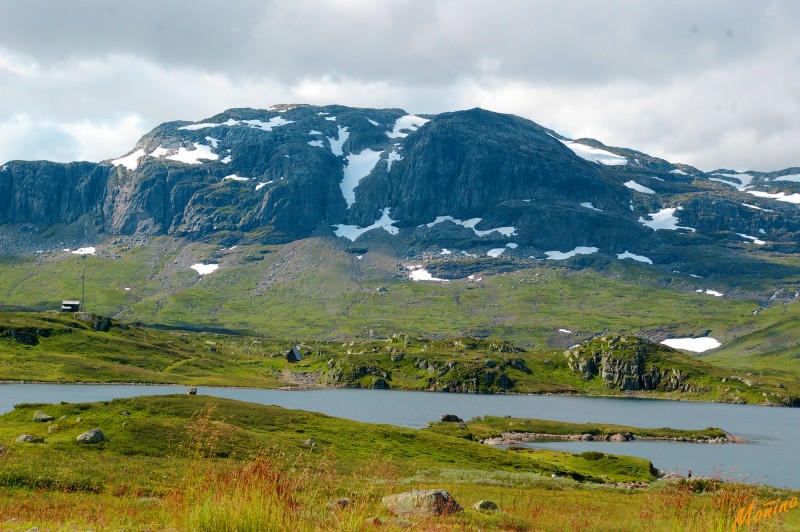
714, 84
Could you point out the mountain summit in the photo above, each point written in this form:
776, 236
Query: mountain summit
469, 183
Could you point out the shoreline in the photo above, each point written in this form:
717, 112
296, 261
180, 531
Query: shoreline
307, 387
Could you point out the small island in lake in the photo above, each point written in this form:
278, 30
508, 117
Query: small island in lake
495, 430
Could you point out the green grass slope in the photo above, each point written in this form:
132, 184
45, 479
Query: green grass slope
203, 463
57, 347
319, 288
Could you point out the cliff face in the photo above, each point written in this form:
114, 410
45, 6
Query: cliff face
46, 193
473, 180
626, 363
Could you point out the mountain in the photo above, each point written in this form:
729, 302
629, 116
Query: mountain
334, 223
469, 182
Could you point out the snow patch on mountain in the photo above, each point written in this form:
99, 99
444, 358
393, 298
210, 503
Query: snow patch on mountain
794, 178
743, 184
696, 345
588, 205
394, 155
780, 196
194, 156
471, 223
638, 258
352, 232
374, 123
418, 273
664, 219
756, 207
317, 143
131, 162
234, 177
358, 166
274, 122
596, 155
405, 125
580, 250
204, 269
755, 240
208, 125
633, 185
85, 251
337, 143
709, 292
495, 252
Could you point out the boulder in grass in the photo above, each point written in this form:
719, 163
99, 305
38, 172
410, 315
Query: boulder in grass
485, 506
41, 417
91, 436
451, 418
340, 504
421, 503
28, 438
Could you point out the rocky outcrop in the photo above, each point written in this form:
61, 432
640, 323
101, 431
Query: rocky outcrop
512, 438
421, 503
41, 417
91, 436
28, 438
24, 335
625, 363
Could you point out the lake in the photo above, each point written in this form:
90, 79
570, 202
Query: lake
768, 458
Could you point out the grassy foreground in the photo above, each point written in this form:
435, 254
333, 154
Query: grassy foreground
202, 463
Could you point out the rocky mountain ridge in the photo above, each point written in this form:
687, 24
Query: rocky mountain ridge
462, 184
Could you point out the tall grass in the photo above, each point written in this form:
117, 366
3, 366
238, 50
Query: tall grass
269, 492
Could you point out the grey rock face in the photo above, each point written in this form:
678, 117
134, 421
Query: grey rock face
91, 436
47, 193
623, 363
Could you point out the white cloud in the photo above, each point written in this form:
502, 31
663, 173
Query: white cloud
702, 84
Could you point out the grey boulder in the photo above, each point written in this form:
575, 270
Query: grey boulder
421, 503
91, 436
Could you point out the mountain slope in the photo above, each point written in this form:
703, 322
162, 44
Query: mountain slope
474, 180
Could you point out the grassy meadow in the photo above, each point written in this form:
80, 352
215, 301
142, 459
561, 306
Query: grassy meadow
202, 463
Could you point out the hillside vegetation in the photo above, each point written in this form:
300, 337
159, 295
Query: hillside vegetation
57, 347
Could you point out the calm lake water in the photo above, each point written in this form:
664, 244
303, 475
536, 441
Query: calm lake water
769, 458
